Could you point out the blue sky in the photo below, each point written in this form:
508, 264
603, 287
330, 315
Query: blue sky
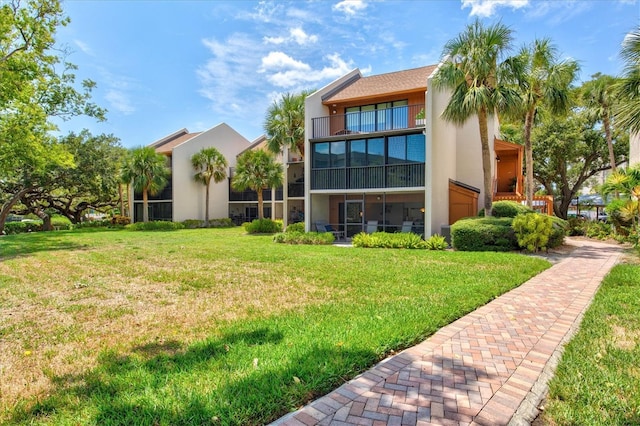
164, 65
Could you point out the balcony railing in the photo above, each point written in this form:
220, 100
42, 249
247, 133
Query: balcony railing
541, 203
250, 195
389, 176
397, 118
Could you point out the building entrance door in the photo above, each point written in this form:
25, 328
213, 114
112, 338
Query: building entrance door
354, 217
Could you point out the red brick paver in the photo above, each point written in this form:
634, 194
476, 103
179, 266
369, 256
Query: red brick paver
482, 368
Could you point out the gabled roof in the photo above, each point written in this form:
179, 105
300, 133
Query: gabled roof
260, 140
166, 144
381, 84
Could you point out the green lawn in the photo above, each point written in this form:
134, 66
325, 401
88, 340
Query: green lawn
598, 379
202, 326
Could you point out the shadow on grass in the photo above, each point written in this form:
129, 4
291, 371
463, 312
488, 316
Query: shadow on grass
211, 381
12, 246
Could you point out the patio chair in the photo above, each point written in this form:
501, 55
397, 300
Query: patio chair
407, 225
322, 226
372, 226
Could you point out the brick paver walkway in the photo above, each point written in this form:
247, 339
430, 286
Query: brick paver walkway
490, 367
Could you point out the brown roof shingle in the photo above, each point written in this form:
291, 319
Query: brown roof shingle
166, 146
381, 84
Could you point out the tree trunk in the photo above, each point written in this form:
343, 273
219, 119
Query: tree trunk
121, 199
528, 157
145, 206
300, 147
6, 207
46, 219
260, 201
607, 132
486, 162
206, 206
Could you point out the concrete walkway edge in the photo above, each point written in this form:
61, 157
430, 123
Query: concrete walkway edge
490, 367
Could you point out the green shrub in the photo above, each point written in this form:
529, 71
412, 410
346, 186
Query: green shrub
484, 234
311, 238
507, 209
60, 223
295, 227
223, 222
599, 230
576, 226
263, 226
22, 227
120, 220
193, 223
532, 231
156, 225
436, 242
105, 223
406, 240
558, 232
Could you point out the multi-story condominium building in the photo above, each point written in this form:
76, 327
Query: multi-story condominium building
379, 156
183, 198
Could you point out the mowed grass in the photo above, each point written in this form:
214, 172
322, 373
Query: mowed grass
598, 380
213, 326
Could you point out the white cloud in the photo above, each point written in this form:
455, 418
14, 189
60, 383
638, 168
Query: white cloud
486, 8
265, 11
119, 101
557, 12
279, 60
84, 47
296, 35
350, 7
302, 38
230, 71
290, 73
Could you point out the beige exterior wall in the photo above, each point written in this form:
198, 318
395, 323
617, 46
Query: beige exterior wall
313, 108
189, 195
634, 149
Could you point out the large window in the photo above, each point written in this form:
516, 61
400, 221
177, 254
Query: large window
403, 149
406, 149
377, 117
329, 155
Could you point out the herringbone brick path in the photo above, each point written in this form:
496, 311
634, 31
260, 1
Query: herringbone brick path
481, 369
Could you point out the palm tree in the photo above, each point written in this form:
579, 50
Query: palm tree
628, 89
541, 80
125, 176
284, 124
257, 170
473, 74
148, 173
599, 98
209, 164
627, 183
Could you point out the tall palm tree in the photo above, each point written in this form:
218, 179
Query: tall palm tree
628, 89
473, 73
149, 174
209, 165
541, 80
598, 97
124, 178
284, 123
257, 170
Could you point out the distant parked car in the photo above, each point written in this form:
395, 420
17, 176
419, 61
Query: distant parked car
603, 217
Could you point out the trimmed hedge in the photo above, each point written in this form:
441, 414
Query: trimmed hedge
263, 226
497, 234
22, 227
507, 209
156, 225
295, 227
224, 222
484, 234
312, 238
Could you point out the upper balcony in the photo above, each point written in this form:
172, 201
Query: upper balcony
369, 121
